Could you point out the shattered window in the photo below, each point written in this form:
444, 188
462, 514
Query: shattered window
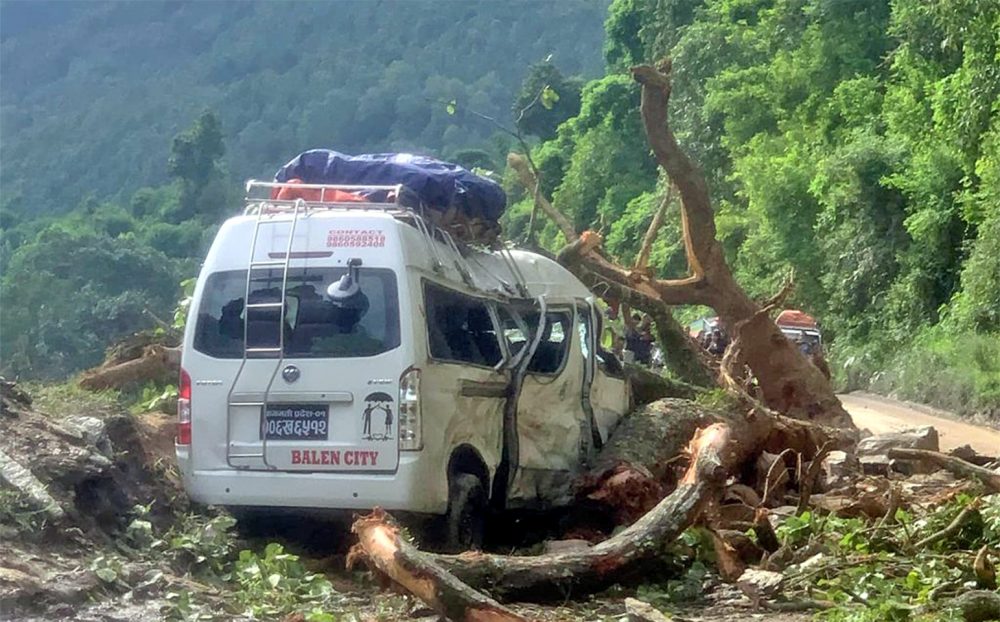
312, 325
459, 328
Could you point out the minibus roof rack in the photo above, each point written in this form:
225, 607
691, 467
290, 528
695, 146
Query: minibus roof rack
262, 197
281, 196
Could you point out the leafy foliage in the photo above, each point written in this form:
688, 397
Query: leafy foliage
853, 141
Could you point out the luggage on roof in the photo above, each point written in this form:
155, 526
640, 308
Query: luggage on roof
795, 318
456, 195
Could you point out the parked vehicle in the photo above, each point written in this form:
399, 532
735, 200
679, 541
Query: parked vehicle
801, 328
346, 353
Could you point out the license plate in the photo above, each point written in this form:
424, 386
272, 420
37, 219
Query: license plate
296, 422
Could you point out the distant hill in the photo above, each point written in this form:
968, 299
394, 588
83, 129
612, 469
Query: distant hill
91, 93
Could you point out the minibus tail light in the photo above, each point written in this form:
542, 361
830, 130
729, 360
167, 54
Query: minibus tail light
184, 409
410, 424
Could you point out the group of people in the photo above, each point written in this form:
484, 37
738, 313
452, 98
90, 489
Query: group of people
632, 338
715, 341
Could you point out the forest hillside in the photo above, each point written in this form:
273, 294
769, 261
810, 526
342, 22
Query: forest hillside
96, 90
853, 144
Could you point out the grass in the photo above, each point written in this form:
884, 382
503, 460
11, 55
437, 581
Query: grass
956, 370
65, 399
959, 372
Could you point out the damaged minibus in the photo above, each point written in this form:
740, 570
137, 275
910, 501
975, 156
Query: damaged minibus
343, 351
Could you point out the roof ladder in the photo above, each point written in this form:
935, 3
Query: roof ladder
300, 208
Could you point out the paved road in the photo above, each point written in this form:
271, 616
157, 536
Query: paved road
881, 415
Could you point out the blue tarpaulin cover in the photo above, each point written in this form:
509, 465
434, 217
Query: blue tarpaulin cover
439, 185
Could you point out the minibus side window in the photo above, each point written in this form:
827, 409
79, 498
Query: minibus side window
459, 328
554, 345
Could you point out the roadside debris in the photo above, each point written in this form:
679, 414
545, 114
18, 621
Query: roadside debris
69, 484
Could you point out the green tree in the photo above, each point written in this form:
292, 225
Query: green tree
195, 156
546, 99
71, 292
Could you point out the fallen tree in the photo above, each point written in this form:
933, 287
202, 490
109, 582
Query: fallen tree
135, 361
554, 574
787, 381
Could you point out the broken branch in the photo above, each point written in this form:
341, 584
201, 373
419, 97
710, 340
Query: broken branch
380, 544
609, 562
642, 259
952, 464
528, 179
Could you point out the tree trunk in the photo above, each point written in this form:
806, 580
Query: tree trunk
381, 545
546, 577
788, 382
158, 363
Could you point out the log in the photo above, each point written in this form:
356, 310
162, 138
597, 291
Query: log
633, 471
648, 386
381, 545
551, 576
956, 466
158, 363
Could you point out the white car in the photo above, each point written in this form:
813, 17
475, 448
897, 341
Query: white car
347, 355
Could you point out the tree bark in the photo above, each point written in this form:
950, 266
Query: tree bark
552, 576
381, 545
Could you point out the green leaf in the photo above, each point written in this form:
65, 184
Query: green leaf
549, 97
274, 580
106, 574
451, 107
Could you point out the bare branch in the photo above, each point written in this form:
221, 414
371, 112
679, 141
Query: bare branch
584, 251
779, 299
528, 179
642, 260
697, 217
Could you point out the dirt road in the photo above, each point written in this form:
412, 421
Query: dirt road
881, 415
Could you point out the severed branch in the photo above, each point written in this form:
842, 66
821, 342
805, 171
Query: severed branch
548, 576
528, 179
808, 482
956, 466
952, 528
583, 253
697, 216
380, 543
642, 259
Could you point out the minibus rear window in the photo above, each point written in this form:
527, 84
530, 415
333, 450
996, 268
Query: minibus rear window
313, 327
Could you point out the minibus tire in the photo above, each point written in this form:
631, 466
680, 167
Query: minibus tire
465, 523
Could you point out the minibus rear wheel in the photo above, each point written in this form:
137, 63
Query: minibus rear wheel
465, 522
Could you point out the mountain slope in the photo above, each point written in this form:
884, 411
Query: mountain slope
92, 92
